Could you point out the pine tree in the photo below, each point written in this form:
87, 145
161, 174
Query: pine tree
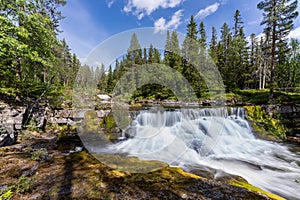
278, 20
294, 64
110, 80
168, 49
191, 59
151, 54
202, 32
223, 57
213, 45
134, 50
237, 23
238, 56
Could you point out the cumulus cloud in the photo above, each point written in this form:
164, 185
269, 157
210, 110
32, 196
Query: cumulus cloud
162, 25
295, 33
140, 8
207, 11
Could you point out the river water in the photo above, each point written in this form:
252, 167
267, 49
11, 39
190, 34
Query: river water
219, 138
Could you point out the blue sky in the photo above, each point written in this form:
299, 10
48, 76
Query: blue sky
90, 22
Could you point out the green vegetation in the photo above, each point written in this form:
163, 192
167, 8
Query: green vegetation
39, 154
33, 62
259, 97
109, 123
262, 65
22, 185
268, 127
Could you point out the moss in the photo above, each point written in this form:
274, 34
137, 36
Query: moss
91, 122
129, 164
64, 131
268, 127
185, 174
250, 187
108, 122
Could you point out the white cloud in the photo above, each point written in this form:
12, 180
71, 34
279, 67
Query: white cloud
295, 33
162, 25
254, 22
207, 11
140, 8
110, 3
223, 1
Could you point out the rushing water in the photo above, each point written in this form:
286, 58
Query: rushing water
219, 138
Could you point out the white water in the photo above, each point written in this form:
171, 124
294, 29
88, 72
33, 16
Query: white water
220, 138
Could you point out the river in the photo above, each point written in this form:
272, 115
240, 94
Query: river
219, 138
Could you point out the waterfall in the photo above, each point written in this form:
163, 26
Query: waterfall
219, 138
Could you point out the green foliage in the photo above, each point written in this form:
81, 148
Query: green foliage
260, 97
39, 154
267, 126
33, 61
8, 194
22, 185
108, 122
278, 20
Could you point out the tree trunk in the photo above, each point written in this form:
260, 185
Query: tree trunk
260, 75
264, 76
273, 48
18, 79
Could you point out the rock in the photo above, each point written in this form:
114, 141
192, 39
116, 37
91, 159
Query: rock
77, 149
30, 171
7, 136
35, 196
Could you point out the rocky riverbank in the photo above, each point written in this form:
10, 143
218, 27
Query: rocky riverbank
46, 160
47, 168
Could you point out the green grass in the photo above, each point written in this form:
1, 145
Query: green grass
259, 97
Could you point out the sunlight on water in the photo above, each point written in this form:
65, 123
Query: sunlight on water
220, 138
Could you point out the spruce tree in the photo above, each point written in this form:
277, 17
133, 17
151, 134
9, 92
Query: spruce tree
278, 20
175, 55
202, 32
134, 51
191, 59
213, 45
167, 50
237, 23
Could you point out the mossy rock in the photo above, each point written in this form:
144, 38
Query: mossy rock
266, 126
246, 185
129, 164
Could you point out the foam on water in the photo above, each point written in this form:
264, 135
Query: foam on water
220, 138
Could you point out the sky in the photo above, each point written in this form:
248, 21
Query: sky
88, 23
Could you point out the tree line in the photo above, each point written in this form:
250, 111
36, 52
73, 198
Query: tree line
270, 60
35, 62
